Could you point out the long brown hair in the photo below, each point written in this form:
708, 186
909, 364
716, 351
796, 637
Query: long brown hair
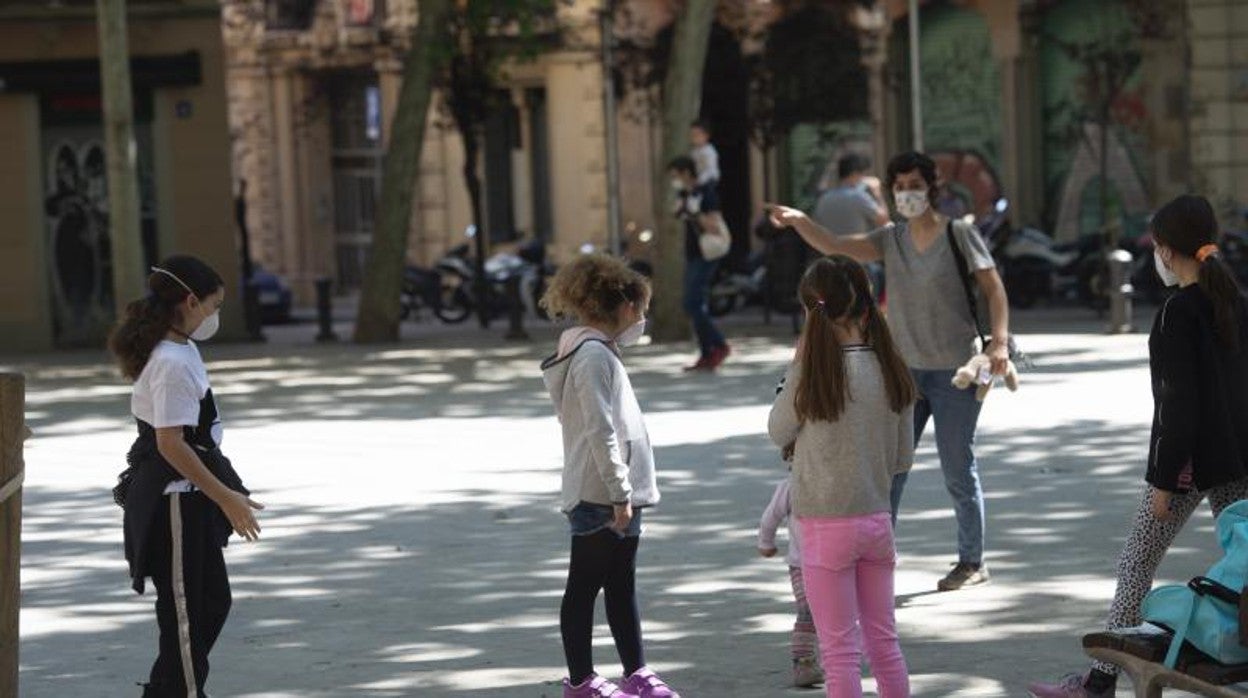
1186, 224
149, 319
835, 290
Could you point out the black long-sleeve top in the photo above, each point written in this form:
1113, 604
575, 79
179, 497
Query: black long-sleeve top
1200, 396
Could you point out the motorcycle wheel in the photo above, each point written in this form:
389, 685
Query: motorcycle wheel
454, 306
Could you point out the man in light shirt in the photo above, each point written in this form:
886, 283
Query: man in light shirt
855, 205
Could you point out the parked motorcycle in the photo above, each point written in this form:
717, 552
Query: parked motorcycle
422, 288
459, 296
1035, 267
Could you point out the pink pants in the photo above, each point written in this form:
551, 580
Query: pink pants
848, 568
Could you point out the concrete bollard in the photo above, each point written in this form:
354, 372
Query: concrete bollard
324, 311
515, 312
13, 433
1120, 291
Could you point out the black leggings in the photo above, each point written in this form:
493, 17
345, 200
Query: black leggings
604, 561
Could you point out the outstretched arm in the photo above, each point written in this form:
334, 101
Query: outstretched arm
860, 247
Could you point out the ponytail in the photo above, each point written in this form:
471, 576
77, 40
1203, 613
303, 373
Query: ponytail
823, 388
149, 319
833, 289
1220, 287
1188, 225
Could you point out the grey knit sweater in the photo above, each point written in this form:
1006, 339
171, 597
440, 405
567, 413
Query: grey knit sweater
846, 467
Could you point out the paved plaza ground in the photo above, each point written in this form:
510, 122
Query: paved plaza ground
412, 546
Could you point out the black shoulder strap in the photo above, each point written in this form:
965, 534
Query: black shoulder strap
964, 274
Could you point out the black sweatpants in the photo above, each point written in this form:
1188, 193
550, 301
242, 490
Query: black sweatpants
601, 561
192, 594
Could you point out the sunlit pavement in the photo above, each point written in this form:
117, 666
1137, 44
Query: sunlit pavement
411, 545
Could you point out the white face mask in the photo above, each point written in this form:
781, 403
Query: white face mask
632, 334
207, 328
911, 204
677, 185
1168, 277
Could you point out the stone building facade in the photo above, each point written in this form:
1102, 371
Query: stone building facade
311, 97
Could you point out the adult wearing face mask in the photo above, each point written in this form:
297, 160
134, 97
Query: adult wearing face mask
935, 332
697, 204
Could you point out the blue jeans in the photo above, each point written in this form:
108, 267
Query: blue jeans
956, 413
698, 275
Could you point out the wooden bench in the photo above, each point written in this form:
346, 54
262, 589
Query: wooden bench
1140, 653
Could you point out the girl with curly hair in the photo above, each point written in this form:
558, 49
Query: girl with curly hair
608, 468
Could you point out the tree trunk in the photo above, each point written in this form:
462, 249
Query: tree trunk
129, 279
682, 95
380, 305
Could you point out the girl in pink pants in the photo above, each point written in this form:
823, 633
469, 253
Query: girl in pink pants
847, 406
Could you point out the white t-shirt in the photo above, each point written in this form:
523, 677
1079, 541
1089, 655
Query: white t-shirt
173, 391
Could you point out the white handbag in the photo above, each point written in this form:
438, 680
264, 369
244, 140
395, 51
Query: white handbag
715, 243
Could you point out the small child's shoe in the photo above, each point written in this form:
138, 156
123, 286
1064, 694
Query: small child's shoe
595, 687
806, 672
647, 684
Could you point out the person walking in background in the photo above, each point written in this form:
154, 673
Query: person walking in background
846, 406
854, 206
704, 154
935, 331
804, 643
1198, 361
608, 468
182, 498
698, 207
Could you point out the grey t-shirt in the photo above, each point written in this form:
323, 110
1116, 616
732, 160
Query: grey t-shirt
846, 211
927, 310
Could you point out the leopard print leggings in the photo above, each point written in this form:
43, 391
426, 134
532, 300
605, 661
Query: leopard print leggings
1148, 541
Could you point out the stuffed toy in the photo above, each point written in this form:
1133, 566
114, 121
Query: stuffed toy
978, 371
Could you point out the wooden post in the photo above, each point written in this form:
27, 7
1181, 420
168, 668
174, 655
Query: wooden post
12, 434
129, 279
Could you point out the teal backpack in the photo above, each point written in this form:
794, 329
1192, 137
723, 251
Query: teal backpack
1205, 611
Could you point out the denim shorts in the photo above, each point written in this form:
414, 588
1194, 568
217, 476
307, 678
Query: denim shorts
587, 519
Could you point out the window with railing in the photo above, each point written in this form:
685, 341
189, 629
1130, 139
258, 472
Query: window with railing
290, 15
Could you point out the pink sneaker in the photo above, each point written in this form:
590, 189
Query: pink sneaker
1070, 686
595, 687
647, 684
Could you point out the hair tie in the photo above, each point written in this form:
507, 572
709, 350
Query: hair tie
1206, 252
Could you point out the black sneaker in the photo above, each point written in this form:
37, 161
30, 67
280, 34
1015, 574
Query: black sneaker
963, 574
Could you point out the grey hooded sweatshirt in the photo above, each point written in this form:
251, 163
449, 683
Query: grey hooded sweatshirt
607, 458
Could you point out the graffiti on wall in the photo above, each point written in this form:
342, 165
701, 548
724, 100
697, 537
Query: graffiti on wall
1075, 53
76, 210
968, 183
961, 84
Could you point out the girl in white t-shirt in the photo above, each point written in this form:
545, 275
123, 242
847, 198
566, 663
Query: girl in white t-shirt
182, 497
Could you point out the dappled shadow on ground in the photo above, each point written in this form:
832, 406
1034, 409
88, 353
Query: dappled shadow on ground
457, 595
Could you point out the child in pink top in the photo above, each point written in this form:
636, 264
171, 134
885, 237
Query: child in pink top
805, 643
